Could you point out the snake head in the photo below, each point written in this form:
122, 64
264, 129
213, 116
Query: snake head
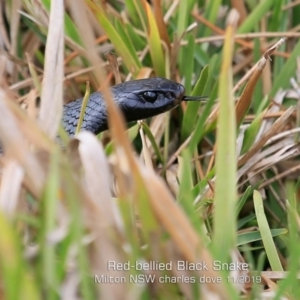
144, 98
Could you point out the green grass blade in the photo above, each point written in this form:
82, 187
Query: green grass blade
253, 236
287, 71
291, 283
11, 265
154, 42
225, 189
211, 14
255, 16
131, 60
152, 141
189, 118
50, 205
266, 233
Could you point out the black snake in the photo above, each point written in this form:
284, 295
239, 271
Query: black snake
137, 99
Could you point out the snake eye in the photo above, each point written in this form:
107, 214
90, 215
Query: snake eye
173, 95
149, 96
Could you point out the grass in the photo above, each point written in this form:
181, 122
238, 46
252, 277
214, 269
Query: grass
203, 200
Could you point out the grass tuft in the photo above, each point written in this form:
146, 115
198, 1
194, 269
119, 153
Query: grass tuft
166, 208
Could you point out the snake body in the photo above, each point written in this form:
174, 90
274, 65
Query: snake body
137, 99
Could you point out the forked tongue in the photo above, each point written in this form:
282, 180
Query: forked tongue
193, 98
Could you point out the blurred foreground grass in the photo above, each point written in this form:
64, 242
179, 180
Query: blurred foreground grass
198, 203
